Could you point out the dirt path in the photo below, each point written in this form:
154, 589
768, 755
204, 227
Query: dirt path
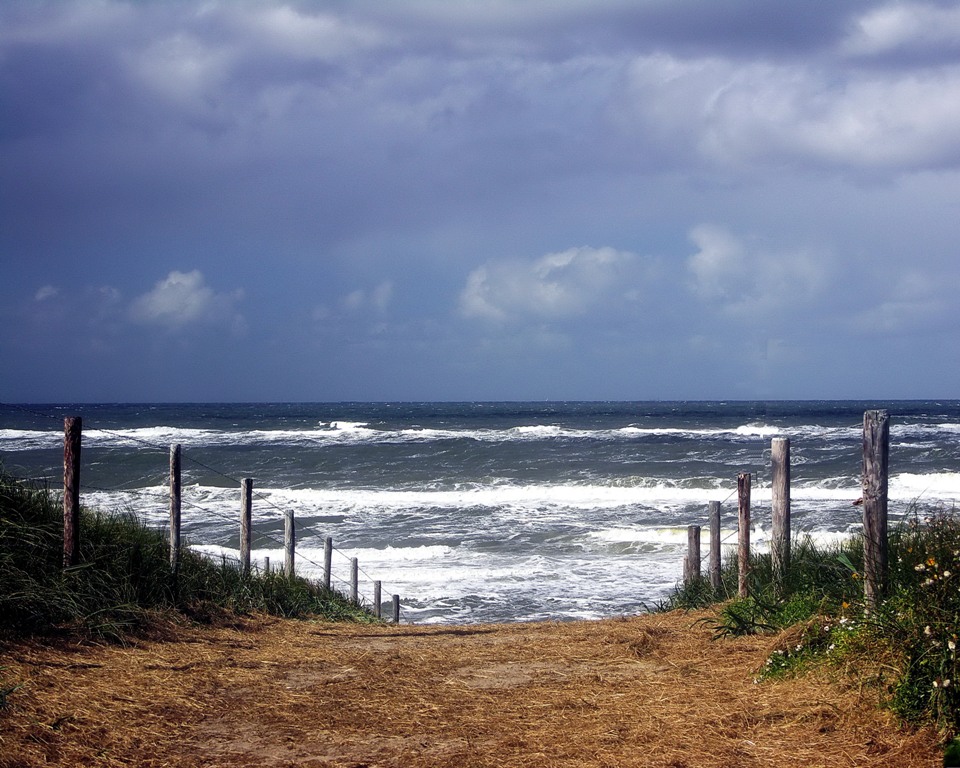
647, 691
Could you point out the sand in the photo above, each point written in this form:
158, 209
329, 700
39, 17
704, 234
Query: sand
652, 690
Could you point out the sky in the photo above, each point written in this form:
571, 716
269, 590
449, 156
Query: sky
498, 200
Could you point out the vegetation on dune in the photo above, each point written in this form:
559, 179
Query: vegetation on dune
124, 581
906, 646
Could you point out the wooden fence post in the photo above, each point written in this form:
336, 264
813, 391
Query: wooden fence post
376, 599
715, 545
354, 580
876, 458
176, 490
246, 520
743, 530
266, 565
780, 507
691, 564
289, 542
327, 561
72, 431
396, 609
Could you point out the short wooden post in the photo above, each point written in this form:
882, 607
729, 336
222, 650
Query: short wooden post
376, 599
72, 432
176, 490
780, 508
396, 609
327, 561
715, 545
354, 580
876, 459
691, 564
289, 542
266, 565
743, 531
246, 521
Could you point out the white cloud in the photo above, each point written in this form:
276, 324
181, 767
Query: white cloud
760, 114
182, 299
903, 26
376, 299
913, 302
46, 292
746, 278
309, 36
558, 285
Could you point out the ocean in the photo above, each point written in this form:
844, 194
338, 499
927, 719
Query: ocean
477, 512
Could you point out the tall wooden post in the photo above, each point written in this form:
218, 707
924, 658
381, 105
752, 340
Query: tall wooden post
327, 561
289, 542
691, 564
377, 597
354, 580
72, 432
396, 609
876, 458
715, 545
176, 490
246, 521
780, 506
743, 530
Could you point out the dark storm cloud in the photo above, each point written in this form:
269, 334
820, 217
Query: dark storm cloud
453, 188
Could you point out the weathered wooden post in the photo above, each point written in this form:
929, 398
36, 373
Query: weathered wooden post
743, 530
780, 507
327, 561
289, 542
396, 609
72, 431
354, 580
715, 545
376, 599
246, 521
691, 564
266, 565
876, 459
176, 490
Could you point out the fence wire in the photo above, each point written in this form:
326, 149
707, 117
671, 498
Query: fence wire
260, 536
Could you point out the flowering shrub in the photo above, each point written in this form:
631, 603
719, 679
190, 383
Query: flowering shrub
921, 618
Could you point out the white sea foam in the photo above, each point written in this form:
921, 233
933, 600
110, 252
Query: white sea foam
358, 432
939, 485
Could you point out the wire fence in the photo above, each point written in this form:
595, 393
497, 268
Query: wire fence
260, 538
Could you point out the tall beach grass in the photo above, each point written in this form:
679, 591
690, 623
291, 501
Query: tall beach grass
123, 580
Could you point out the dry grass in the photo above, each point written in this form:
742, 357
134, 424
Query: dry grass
647, 691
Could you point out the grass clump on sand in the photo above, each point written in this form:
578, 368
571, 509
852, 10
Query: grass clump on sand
906, 646
124, 581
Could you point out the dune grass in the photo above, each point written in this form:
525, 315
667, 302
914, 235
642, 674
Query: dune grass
124, 581
906, 645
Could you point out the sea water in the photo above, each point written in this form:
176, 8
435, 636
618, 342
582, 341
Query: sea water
490, 511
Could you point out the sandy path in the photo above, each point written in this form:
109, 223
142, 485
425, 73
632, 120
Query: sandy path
647, 691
